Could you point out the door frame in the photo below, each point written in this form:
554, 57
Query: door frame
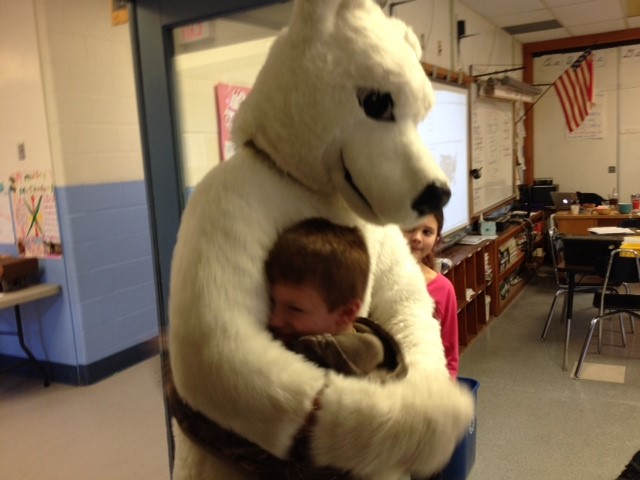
151, 23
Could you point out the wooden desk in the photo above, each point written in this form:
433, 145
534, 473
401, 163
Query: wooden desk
579, 224
15, 299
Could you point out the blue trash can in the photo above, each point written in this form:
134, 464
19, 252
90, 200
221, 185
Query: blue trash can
464, 455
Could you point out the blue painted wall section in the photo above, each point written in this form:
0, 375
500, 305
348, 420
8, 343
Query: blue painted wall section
108, 302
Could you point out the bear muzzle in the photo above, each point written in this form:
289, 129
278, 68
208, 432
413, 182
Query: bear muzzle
433, 197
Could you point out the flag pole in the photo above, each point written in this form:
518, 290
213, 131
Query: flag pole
588, 50
533, 104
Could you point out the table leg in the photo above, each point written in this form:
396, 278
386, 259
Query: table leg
25, 349
569, 301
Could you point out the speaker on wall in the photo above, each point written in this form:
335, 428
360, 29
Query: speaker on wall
461, 28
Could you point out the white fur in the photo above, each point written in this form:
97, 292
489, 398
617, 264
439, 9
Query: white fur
303, 113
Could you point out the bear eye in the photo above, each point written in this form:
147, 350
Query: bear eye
376, 105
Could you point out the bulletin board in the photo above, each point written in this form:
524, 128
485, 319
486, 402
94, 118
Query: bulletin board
492, 151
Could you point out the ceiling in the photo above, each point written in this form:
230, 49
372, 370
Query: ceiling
539, 20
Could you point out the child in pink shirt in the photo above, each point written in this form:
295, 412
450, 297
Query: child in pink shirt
422, 239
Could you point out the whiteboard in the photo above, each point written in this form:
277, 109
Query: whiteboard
492, 151
445, 132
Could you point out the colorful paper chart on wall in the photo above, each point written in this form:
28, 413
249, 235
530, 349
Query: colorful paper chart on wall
6, 222
492, 151
35, 214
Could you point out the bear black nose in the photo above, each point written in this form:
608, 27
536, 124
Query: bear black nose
432, 197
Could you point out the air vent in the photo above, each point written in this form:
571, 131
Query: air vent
533, 27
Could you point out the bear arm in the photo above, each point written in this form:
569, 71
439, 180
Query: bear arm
405, 426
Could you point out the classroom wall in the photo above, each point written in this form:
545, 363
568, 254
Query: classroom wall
196, 75
90, 92
581, 161
84, 129
487, 48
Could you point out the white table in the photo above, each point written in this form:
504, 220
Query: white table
15, 299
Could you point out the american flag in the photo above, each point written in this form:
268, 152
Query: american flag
575, 90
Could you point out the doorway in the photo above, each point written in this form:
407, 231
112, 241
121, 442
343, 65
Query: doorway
190, 58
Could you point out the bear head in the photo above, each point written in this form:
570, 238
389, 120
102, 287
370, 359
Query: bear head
336, 108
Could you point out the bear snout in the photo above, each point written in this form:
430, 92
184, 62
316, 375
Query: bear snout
432, 197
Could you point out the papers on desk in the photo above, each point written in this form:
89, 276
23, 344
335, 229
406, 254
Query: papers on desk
610, 230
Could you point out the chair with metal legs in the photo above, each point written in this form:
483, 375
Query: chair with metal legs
631, 223
584, 284
622, 266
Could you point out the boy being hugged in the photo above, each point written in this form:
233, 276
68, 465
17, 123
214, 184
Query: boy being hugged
317, 273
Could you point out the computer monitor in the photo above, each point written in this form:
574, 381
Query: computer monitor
541, 194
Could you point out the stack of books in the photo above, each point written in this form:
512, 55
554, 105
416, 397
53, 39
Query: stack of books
488, 273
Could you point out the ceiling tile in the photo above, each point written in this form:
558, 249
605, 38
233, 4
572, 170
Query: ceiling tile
599, 27
493, 8
589, 12
522, 18
542, 36
559, 3
579, 17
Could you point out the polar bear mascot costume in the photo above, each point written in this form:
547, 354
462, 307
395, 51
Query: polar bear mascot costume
329, 130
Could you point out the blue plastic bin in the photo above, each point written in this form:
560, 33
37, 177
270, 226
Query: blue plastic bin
464, 455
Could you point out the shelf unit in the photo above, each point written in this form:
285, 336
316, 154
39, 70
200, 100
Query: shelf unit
511, 271
468, 274
477, 276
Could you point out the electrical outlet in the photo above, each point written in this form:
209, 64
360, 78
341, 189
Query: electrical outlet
21, 152
612, 169
439, 48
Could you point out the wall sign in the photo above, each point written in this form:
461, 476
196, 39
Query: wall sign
35, 214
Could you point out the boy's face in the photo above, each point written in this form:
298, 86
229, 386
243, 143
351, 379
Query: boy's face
298, 310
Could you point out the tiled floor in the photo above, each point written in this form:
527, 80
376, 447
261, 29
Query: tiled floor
534, 421
112, 430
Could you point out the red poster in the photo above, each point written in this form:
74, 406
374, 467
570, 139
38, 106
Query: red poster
228, 100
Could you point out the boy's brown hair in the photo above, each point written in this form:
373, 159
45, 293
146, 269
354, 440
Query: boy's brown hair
333, 258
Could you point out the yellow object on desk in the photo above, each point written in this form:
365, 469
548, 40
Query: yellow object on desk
630, 243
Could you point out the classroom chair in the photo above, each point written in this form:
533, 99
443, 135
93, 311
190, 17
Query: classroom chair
622, 266
584, 283
630, 223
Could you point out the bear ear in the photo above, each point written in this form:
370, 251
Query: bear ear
313, 17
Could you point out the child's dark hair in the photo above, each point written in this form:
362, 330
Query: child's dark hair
331, 257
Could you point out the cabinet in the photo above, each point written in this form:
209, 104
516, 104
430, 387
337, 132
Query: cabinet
470, 275
512, 260
580, 224
487, 277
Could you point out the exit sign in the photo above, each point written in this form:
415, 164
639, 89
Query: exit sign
194, 32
